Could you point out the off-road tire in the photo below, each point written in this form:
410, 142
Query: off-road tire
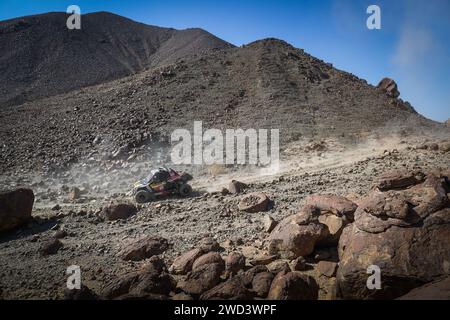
142, 196
185, 190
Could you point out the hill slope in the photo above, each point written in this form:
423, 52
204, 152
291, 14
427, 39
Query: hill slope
40, 57
266, 84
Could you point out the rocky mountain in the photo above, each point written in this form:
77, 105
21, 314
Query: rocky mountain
266, 84
40, 56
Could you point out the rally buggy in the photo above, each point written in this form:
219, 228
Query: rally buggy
162, 182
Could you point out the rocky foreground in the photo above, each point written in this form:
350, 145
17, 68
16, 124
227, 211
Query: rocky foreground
297, 235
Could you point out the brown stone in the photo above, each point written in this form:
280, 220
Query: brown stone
261, 284
144, 248
119, 211
232, 289
234, 262
297, 234
204, 278
337, 205
236, 187
183, 264
211, 257
293, 286
15, 208
327, 268
254, 202
50, 247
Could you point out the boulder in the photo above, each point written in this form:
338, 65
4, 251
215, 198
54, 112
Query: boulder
336, 205
233, 289
399, 179
74, 194
183, 264
405, 233
202, 279
261, 284
437, 290
298, 264
327, 268
254, 202
269, 223
236, 187
119, 211
234, 262
15, 208
50, 247
209, 244
279, 265
144, 248
208, 258
152, 281
297, 235
390, 87
84, 293
293, 286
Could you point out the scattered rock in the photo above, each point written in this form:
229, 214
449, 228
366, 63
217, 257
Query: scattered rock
236, 187
297, 234
279, 265
232, 289
393, 180
209, 244
183, 264
74, 194
298, 264
144, 248
437, 290
269, 223
254, 202
119, 211
84, 293
208, 258
60, 234
234, 262
337, 205
327, 268
50, 247
15, 208
261, 284
204, 278
152, 281
293, 286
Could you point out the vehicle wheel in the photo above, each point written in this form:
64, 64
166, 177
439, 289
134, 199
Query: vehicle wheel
142, 196
185, 190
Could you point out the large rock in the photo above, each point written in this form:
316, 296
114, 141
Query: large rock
339, 206
297, 234
254, 202
15, 208
202, 279
144, 248
437, 290
261, 284
390, 87
398, 179
293, 286
210, 257
232, 289
234, 262
236, 187
183, 264
152, 281
119, 211
405, 233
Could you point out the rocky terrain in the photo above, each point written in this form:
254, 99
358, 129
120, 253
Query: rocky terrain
363, 178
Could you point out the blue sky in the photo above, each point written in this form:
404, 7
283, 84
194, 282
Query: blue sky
412, 47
